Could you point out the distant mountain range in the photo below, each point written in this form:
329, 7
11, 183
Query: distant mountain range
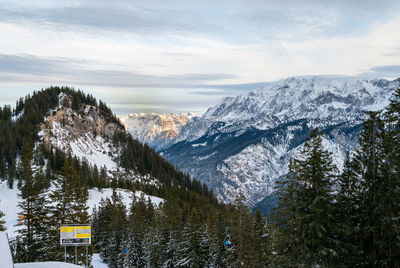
244, 143
158, 131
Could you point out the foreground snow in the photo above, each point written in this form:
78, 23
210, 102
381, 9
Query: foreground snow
50, 264
5, 252
9, 202
97, 262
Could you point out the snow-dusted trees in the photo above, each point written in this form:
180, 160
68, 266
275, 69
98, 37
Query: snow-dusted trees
32, 210
2, 222
68, 206
109, 228
175, 236
358, 223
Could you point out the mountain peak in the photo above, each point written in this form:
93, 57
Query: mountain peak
292, 99
157, 130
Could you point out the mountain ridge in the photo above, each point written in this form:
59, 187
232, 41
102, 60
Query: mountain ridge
157, 130
272, 123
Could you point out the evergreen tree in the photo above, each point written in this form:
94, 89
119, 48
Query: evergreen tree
2, 222
311, 223
69, 206
262, 252
32, 210
138, 230
189, 249
110, 230
370, 157
391, 176
348, 212
285, 218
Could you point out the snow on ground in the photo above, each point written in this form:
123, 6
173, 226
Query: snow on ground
95, 197
5, 252
50, 264
97, 262
9, 202
9, 205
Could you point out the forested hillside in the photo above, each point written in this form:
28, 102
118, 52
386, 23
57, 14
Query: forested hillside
324, 217
54, 186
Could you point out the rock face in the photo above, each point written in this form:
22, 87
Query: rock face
85, 135
244, 143
158, 131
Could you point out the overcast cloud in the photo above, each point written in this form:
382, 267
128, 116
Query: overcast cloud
179, 56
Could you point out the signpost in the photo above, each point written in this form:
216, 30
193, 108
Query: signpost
75, 235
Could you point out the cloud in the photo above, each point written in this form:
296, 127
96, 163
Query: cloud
385, 71
189, 52
26, 68
228, 20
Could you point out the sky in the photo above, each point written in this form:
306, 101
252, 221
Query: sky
181, 56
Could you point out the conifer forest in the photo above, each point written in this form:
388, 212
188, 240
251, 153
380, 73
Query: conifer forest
324, 217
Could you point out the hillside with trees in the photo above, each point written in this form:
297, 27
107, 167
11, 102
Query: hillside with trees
324, 217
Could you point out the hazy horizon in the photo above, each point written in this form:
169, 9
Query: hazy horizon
186, 56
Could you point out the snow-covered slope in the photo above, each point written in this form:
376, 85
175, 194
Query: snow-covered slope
87, 135
244, 143
157, 130
291, 99
5, 251
9, 202
49, 264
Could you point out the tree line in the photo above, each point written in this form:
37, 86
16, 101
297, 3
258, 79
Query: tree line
327, 218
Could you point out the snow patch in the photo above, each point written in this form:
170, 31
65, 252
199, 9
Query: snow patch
5, 251
9, 203
50, 264
199, 144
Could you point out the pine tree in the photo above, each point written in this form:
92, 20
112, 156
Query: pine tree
262, 252
370, 157
311, 225
285, 218
32, 210
189, 248
2, 222
138, 230
391, 175
243, 235
154, 242
389, 243
69, 206
110, 230
348, 212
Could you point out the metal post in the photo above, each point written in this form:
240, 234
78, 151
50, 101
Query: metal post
65, 254
76, 255
87, 266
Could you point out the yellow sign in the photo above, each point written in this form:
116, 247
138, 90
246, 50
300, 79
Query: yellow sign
75, 234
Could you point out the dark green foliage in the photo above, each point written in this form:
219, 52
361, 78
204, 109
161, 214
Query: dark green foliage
306, 205
68, 206
348, 212
2, 222
190, 224
32, 210
179, 234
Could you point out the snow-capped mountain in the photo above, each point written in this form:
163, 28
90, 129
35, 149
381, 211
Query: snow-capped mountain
244, 143
157, 130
